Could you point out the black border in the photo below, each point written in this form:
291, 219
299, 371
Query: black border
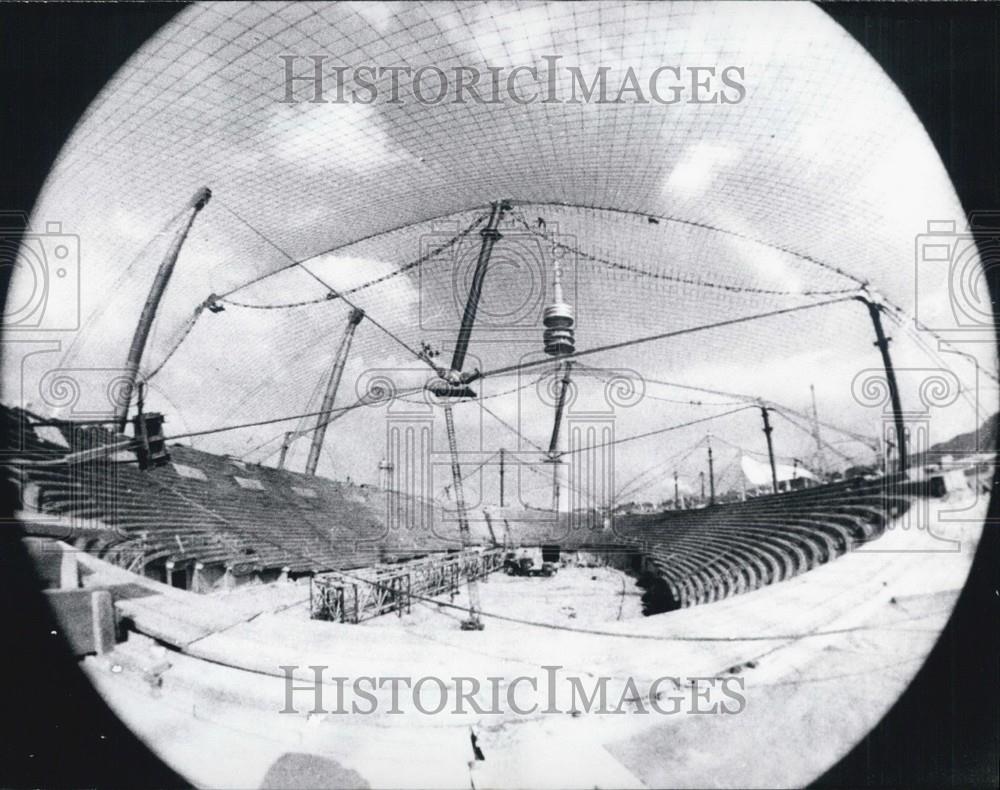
943, 732
945, 729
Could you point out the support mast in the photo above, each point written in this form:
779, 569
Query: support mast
286, 442
490, 235
820, 454
875, 309
455, 386
501, 477
553, 454
770, 447
156, 291
711, 474
323, 419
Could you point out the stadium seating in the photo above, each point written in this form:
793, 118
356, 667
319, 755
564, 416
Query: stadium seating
206, 508
708, 553
248, 519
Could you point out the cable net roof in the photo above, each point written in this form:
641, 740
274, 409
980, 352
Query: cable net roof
664, 217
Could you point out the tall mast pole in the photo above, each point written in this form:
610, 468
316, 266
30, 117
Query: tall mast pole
285, 444
554, 459
711, 474
473, 623
820, 455
770, 448
875, 309
677, 500
560, 406
455, 386
156, 291
501, 477
490, 235
323, 419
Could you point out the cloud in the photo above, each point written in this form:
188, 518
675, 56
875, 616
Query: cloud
344, 272
378, 15
321, 137
699, 165
774, 268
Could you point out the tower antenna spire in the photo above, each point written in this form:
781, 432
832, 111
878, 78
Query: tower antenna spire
559, 341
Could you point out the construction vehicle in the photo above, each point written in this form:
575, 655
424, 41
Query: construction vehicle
525, 566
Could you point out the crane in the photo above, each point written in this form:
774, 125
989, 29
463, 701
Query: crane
453, 385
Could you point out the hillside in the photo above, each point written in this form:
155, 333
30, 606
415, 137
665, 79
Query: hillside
981, 441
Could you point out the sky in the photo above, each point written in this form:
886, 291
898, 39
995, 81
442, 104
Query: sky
821, 178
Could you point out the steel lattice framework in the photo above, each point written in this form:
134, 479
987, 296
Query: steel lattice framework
370, 592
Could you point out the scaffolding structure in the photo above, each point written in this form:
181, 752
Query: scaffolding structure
381, 589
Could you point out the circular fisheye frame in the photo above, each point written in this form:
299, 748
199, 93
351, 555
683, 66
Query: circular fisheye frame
30, 269
500, 395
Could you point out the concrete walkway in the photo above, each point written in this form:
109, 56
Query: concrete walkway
818, 659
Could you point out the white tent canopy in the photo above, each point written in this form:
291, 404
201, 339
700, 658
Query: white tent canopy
759, 473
